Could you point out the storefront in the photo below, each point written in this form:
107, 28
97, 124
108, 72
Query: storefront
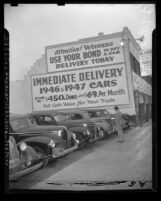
142, 93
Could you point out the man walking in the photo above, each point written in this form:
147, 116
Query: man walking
118, 122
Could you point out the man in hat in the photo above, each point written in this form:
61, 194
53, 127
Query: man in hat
118, 122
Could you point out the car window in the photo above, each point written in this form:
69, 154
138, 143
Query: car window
45, 119
61, 117
105, 112
19, 123
92, 114
76, 116
100, 114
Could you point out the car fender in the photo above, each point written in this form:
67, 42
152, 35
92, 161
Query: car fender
42, 142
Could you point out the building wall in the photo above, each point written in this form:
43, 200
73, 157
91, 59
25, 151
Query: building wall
20, 91
17, 97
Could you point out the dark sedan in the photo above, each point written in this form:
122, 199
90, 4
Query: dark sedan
84, 128
102, 114
23, 159
53, 141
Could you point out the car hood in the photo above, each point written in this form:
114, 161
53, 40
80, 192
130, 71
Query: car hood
40, 129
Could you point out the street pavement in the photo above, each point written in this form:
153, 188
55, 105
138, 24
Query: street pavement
109, 166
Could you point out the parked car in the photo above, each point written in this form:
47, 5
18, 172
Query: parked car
23, 159
84, 128
110, 118
48, 141
105, 125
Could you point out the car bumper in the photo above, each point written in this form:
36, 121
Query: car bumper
60, 151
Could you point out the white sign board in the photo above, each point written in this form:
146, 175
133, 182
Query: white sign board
78, 55
141, 85
146, 63
91, 87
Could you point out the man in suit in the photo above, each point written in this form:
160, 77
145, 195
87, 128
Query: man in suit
118, 122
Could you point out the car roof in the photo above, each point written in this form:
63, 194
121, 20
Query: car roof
58, 112
95, 110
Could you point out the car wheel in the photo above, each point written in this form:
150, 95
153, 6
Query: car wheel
82, 143
41, 153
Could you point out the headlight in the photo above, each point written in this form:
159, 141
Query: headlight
85, 125
77, 141
74, 136
112, 118
59, 133
23, 146
87, 132
52, 143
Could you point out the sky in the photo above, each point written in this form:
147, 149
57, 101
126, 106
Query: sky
34, 26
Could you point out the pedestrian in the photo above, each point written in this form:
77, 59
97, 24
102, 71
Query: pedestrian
118, 122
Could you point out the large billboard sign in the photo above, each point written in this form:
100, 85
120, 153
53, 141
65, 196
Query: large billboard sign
90, 87
79, 55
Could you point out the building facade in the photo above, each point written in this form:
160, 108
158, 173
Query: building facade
96, 72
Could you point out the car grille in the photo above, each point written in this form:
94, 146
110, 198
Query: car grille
92, 127
64, 134
62, 143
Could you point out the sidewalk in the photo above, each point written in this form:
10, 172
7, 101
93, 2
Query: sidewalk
111, 166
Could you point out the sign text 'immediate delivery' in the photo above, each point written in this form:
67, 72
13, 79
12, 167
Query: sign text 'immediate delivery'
80, 89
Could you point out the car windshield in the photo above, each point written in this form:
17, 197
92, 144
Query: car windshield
31, 121
19, 123
23, 123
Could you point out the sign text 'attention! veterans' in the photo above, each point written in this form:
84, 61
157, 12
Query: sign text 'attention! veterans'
74, 56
